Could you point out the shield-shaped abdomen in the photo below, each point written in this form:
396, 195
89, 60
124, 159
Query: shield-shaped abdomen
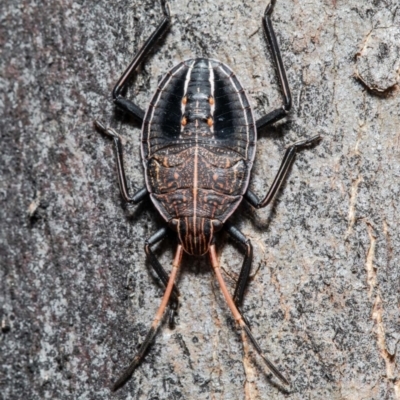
198, 145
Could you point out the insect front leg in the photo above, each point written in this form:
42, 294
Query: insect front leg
269, 33
119, 100
287, 161
142, 193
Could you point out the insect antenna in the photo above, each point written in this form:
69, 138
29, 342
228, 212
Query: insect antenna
238, 317
155, 324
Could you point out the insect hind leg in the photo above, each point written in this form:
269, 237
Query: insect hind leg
155, 324
238, 317
161, 273
246, 266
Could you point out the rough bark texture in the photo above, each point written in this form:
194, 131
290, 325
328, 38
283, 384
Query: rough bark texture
77, 294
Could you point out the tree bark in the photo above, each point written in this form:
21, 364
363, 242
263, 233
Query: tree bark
77, 294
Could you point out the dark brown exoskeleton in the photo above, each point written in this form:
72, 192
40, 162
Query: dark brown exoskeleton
198, 145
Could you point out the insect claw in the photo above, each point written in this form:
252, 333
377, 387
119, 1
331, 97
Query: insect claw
316, 138
99, 125
166, 8
269, 364
106, 131
246, 321
171, 318
269, 8
308, 142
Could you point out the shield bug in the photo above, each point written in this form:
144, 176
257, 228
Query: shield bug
198, 144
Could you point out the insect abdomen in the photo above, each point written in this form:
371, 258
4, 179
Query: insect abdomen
198, 142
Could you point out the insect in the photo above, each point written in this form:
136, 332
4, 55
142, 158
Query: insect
198, 145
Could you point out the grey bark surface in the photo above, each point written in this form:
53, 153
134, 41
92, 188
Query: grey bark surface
76, 292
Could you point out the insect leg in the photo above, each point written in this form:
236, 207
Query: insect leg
246, 266
155, 324
238, 317
287, 161
121, 101
269, 33
160, 271
141, 194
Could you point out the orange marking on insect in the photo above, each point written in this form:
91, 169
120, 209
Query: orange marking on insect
210, 121
184, 121
211, 100
184, 100
224, 290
